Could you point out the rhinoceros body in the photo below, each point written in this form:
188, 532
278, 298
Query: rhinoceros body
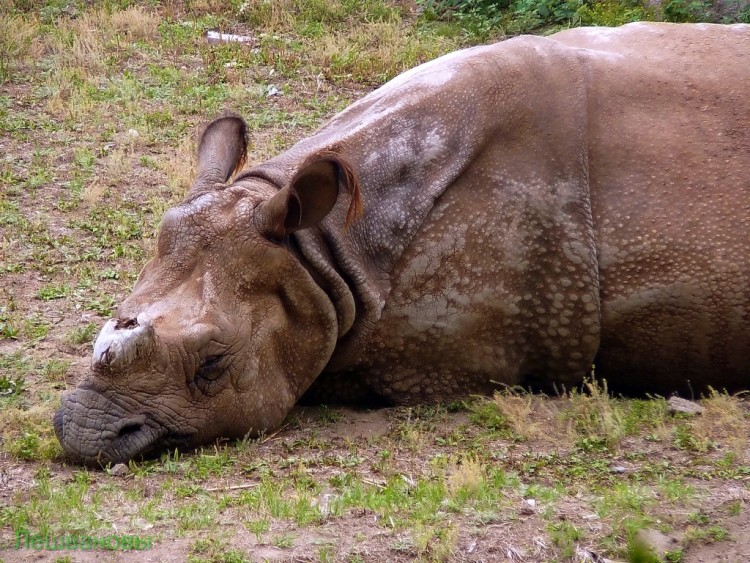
504, 215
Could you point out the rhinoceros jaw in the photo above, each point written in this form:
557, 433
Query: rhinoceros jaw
120, 343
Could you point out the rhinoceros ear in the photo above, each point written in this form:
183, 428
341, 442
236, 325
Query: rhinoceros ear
309, 197
221, 152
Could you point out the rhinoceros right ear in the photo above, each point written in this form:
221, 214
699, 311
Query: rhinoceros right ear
221, 152
309, 197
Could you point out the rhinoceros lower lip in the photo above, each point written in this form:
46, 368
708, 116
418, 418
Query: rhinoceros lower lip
140, 441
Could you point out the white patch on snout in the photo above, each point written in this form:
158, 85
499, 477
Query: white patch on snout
119, 347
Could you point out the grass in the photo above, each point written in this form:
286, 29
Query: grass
99, 106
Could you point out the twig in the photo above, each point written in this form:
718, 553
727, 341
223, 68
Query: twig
231, 487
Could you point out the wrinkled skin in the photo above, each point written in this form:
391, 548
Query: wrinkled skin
505, 215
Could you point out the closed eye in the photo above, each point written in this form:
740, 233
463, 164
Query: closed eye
211, 368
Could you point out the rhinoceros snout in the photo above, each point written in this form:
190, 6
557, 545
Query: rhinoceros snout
95, 431
121, 342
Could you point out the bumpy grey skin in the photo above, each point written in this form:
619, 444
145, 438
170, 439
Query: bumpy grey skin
518, 211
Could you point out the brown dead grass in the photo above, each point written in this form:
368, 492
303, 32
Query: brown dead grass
18, 42
725, 421
135, 23
531, 417
375, 51
77, 43
465, 475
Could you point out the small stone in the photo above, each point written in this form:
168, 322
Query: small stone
683, 406
591, 517
119, 470
619, 469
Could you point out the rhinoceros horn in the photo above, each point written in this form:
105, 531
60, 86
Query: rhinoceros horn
121, 342
222, 151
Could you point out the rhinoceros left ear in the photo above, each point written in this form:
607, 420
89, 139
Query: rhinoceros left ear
221, 152
309, 197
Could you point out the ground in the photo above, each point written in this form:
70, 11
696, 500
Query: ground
100, 106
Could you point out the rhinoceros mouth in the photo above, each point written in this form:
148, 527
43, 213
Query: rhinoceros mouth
90, 441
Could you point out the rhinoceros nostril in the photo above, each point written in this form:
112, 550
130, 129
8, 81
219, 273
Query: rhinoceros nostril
129, 429
131, 426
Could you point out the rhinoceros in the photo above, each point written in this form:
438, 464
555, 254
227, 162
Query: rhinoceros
504, 215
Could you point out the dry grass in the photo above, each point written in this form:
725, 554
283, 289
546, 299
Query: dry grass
180, 167
726, 422
18, 43
375, 51
466, 476
135, 23
531, 417
78, 43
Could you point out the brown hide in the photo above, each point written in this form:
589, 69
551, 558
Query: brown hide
481, 255
504, 215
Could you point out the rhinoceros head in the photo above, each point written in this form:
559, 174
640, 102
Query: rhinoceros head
225, 328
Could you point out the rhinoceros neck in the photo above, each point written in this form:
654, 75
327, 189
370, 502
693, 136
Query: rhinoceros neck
406, 154
418, 138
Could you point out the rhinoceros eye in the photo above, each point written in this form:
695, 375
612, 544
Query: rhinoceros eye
210, 370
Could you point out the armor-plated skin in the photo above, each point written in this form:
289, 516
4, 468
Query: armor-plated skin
504, 215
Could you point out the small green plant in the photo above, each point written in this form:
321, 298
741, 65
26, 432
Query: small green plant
283, 541
82, 335
612, 13
479, 17
686, 11
329, 416
565, 535
8, 329
10, 386
488, 415
685, 439
53, 291
258, 527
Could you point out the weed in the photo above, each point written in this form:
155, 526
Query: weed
517, 411
81, 335
258, 527
207, 465
199, 515
685, 439
565, 535
466, 479
708, 534
283, 541
734, 508
489, 416
28, 434
10, 386
53, 291
329, 416
595, 414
